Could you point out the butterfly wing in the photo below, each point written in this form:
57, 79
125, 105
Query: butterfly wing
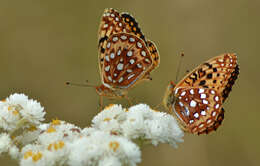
218, 73
132, 25
154, 53
111, 23
126, 62
199, 110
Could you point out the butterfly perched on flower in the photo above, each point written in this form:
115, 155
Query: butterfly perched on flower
196, 101
126, 57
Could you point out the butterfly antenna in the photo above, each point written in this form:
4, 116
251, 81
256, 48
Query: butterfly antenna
179, 67
79, 84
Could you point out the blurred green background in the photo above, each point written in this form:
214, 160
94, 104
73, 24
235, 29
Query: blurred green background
43, 44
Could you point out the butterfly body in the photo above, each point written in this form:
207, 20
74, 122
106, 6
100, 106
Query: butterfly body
112, 94
196, 101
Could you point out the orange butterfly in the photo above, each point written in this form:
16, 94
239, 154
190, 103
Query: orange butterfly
196, 101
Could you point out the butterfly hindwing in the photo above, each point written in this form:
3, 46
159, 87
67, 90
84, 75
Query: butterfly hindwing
126, 61
154, 53
197, 108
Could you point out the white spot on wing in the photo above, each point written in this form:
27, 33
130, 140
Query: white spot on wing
201, 90
107, 68
193, 103
129, 53
107, 58
120, 79
112, 55
129, 71
176, 91
183, 93
118, 52
203, 113
143, 53
203, 96
216, 98
220, 60
139, 45
201, 125
105, 25
123, 37
205, 102
212, 92
131, 39
108, 45
196, 115
147, 60
192, 91
109, 78
132, 61
115, 39
139, 65
217, 106
187, 112
120, 66
181, 104
129, 77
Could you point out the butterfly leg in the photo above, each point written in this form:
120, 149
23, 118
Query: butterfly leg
100, 103
158, 105
129, 101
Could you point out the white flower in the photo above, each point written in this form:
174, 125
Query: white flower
59, 131
109, 161
18, 111
110, 119
90, 150
139, 122
163, 129
14, 152
5, 142
110, 141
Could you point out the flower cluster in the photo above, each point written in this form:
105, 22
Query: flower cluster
113, 139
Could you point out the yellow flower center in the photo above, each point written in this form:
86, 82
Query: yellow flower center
114, 145
51, 130
56, 145
56, 122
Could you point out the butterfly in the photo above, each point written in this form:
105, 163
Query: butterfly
196, 101
126, 57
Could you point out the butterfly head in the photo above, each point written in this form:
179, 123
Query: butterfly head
169, 99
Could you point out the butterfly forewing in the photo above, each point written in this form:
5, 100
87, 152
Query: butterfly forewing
126, 61
111, 23
218, 73
197, 108
132, 25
